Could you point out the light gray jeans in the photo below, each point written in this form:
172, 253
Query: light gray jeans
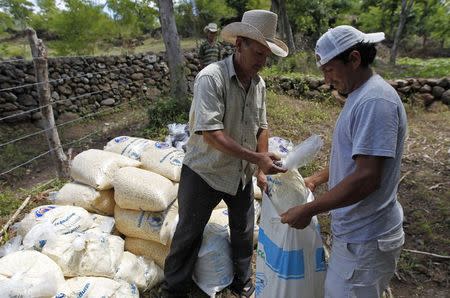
363, 270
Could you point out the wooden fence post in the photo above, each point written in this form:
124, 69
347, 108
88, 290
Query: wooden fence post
39, 54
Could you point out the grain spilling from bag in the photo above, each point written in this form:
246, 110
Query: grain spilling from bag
97, 167
139, 189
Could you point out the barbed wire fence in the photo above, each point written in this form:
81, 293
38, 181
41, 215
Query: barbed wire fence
44, 83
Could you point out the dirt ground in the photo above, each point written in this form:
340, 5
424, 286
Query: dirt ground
424, 190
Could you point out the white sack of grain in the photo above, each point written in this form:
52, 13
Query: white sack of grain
66, 219
82, 195
29, 273
163, 159
214, 267
96, 287
97, 167
287, 190
150, 249
128, 146
141, 271
139, 189
80, 254
155, 226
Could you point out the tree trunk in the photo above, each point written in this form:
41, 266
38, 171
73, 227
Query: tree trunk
406, 8
39, 54
178, 83
284, 28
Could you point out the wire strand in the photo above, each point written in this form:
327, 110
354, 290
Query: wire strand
47, 152
13, 60
67, 78
65, 123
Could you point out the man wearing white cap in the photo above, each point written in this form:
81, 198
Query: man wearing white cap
364, 169
228, 144
210, 50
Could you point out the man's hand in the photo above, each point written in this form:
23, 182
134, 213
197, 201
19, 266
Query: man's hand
266, 163
261, 181
309, 183
297, 217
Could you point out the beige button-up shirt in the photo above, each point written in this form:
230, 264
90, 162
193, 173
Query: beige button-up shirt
221, 103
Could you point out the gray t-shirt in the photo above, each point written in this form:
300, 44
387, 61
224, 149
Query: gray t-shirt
372, 122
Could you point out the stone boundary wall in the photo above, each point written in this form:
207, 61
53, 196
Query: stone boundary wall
83, 85
421, 91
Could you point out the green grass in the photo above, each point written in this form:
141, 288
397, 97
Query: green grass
415, 67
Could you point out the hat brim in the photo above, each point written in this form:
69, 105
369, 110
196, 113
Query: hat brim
206, 30
231, 31
374, 37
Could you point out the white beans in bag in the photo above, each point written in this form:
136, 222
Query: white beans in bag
81, 195
141, 271
95, 287
97, 167
139, 189
29, 273
128, 146
150, 249
163, 159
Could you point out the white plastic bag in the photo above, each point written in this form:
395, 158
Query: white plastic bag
13, 245
141, 271
214, 267
303, 153
29, 273
290, 263
96, 287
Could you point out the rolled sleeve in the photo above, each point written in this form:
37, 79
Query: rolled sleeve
208, 105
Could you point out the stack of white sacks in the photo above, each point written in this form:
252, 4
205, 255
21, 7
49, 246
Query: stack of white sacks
73, 248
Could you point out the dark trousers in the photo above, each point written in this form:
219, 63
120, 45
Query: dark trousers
196, 201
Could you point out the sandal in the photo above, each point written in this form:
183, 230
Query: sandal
246, 291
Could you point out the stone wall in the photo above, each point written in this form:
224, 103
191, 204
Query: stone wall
83, 85
421, 91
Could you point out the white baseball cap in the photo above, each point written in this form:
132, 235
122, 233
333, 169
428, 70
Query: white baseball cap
339, 39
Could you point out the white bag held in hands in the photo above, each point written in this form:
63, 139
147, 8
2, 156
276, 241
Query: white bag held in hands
146, 224
150, 249
97, 167
86, 254
81, 195
287, 190
142, 272
163, 159
29, 273
214, 267
128, 146
139, 189
280, 146
96, 287
66, 219
290, 263
303, 153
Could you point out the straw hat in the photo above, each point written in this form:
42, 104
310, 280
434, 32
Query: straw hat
211, 27
259, 25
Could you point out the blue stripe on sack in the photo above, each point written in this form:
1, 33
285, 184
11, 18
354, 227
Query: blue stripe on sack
288, 264
320, 259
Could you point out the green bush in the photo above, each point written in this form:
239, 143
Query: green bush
164, 111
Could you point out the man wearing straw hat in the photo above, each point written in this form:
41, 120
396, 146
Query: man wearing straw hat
364, 170
210, 51
228, 144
